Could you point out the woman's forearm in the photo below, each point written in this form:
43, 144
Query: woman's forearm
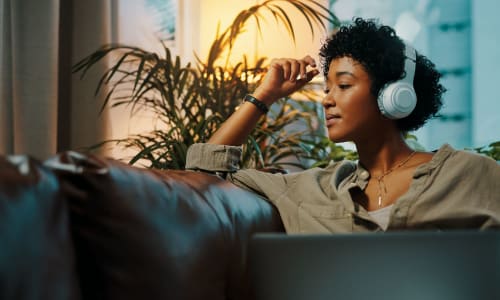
284, 77
238, 126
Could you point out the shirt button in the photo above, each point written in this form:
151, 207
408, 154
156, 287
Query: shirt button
364, 175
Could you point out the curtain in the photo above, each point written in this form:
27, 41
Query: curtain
44, 108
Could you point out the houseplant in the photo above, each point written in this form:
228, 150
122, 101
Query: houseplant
190, 101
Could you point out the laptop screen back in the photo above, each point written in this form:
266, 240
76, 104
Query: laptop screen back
388, 266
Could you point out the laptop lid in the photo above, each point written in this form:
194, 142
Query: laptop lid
385, 266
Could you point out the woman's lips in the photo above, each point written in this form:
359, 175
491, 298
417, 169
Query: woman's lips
331, 119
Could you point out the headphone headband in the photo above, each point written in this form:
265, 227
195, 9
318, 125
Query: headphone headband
410, 62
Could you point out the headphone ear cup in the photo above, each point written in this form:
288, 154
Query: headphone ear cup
397, 100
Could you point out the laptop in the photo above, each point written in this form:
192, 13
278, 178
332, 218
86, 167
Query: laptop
377, 266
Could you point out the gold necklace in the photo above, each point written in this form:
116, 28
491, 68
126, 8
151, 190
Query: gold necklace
380, 179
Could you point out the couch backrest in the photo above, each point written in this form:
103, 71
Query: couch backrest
145, 234
36, 251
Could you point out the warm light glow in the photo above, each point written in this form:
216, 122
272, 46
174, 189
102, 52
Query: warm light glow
275, 41
251, 78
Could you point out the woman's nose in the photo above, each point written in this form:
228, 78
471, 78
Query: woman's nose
328, 101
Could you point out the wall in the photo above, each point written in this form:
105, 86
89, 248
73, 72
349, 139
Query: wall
486, 66
449, 47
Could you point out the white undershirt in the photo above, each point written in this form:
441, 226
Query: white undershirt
381, 216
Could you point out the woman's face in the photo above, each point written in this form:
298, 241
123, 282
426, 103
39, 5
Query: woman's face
351, 110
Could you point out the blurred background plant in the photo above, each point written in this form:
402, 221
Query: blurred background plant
492, 150
190, 101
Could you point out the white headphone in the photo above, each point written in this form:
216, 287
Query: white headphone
398, 99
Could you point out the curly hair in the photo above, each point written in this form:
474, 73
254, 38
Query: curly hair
381, 52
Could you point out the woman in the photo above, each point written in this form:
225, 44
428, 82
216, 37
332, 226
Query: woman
392, 187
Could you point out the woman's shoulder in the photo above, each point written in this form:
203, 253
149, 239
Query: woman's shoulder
465, 160
467, 156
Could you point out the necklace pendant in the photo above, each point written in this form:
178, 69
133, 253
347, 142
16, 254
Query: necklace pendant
379, 200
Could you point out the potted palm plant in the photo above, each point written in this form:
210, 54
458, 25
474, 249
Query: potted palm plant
190, 101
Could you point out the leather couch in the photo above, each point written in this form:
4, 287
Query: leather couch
79, 226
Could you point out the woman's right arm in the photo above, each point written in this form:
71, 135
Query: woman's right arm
281, 80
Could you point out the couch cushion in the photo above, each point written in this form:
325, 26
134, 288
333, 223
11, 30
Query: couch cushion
36, 254
145, 234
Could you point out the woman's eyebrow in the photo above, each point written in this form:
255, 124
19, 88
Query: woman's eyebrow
342, 73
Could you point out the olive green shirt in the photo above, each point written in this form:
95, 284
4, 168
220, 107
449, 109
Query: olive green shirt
455, 190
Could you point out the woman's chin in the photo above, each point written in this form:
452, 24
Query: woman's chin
336, 138
342, 134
